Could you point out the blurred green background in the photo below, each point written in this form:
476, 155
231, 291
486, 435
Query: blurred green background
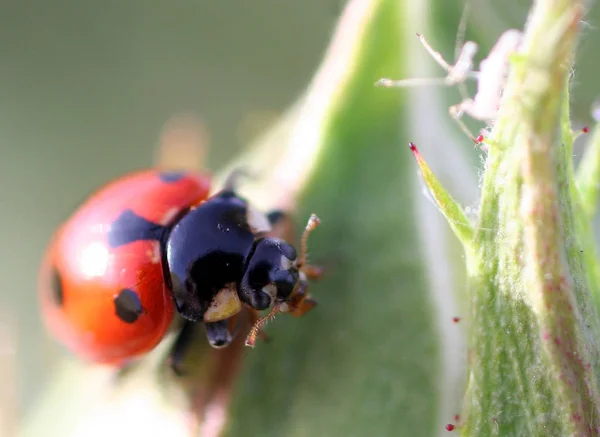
86, 87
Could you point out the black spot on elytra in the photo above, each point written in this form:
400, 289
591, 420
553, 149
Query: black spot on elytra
170, 177
128, 306
130, 227
58, 295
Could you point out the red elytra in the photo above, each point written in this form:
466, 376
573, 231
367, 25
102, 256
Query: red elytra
87, 269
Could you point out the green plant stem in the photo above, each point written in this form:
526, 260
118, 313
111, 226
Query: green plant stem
588, 175
532, 366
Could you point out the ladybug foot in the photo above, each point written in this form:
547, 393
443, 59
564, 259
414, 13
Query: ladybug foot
180, 348
303, 307
218, 334
314, 273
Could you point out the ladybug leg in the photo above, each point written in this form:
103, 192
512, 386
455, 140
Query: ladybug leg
303, 307
186, 339
211, 396
181, 347
301, 302
232, 181
218, 333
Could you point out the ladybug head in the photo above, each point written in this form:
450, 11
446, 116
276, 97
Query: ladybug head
275, 275
271, 274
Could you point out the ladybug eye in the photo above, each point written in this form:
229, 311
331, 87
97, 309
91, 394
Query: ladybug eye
270, 273
287, 251
286, 281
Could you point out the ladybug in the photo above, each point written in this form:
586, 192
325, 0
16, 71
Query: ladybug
153, 245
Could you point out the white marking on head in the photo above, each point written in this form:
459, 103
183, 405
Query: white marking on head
286, 263
224, 305
257, 221
271, 290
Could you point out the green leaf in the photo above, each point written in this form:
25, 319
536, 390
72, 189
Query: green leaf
371, 358
367, 360
452, 211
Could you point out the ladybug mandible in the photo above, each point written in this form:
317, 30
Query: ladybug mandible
154, 243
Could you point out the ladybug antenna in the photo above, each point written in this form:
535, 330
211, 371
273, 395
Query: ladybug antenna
251, 339
232, 181
313, 222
